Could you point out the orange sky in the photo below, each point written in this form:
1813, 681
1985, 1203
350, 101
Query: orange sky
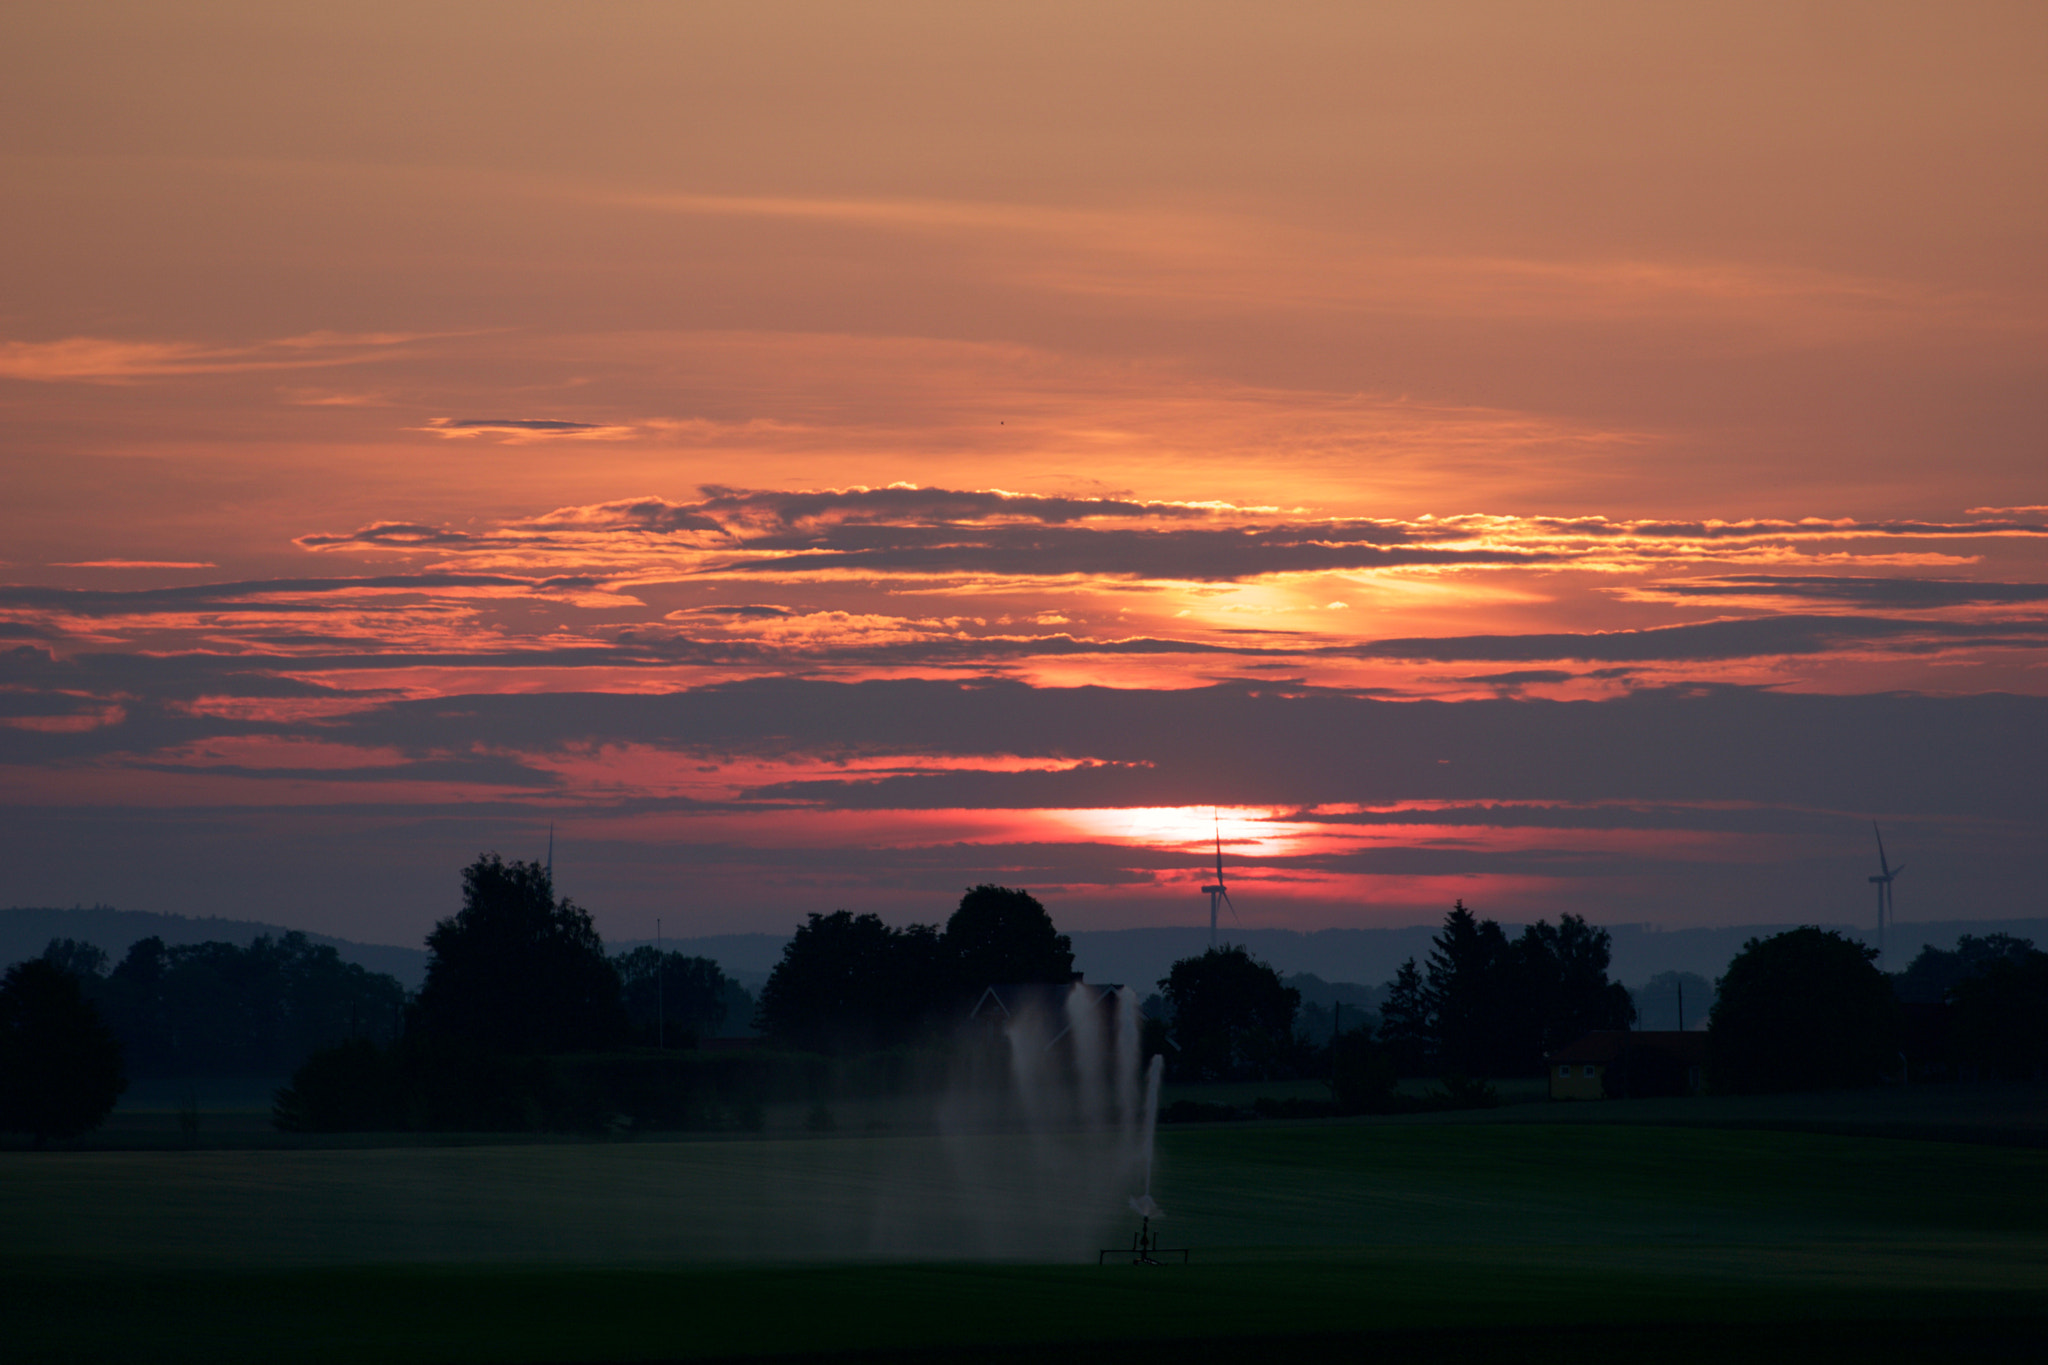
428, 422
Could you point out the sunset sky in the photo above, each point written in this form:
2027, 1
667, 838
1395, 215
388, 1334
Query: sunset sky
1577, 458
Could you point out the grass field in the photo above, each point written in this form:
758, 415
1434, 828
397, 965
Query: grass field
1543, 1239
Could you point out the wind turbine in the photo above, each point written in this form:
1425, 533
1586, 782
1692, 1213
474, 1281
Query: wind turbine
1217, 894
1885, 903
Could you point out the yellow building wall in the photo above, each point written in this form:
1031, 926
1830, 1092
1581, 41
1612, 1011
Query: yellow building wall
1578, 1085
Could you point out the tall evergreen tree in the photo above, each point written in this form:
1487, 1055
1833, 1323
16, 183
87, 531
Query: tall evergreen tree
1496, 1006
1473, 994
1407, 1026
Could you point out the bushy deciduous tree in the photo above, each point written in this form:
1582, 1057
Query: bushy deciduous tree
219, 1009
1361, 1072
60, 1066
1803, 1010
848, 982
1640, 1071
2001, 1016
86, 961
1936, 971
517, 970
670, 997
1232, 1016
999, 936
352, 1087
1565, 985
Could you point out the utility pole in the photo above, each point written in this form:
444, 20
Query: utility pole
1681, 1007
660, 990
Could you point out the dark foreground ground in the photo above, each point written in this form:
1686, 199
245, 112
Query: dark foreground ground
1553, 1240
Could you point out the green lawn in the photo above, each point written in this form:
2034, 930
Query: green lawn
1542, 1239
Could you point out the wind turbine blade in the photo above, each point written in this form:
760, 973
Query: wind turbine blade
1233, 909
1880, 846
1895, 871
1219, 850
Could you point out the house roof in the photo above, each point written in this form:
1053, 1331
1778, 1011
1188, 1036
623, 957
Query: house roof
1604, 1045
1009, 1001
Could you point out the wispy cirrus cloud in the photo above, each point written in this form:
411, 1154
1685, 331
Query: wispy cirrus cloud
1187, 259
108, 360
253, 593
136, 564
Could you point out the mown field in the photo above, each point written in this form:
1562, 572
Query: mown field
1410, 1240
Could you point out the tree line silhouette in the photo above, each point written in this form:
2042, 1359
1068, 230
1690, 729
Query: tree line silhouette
524, 1022
215, 1009
1488, 1005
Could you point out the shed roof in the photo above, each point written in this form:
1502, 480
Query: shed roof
1604, 1045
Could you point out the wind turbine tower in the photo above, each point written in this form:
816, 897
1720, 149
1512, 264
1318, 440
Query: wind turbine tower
1217, 894
1884, 888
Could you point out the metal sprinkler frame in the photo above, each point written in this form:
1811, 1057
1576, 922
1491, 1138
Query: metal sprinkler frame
1144, 1249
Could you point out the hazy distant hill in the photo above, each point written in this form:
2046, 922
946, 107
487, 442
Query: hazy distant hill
26, 931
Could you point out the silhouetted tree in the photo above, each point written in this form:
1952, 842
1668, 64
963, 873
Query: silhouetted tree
1803, 1010
688, 993
1564, 972
517, 970
1232, 1016
1640, 1071
215, 1009
141, 1014
2001, 1015
60, 1066
848, 982
1495, 1006
85, 961
352, 1087
1406, 1026
740, 1008
998, 936
1477, 1002
1937, 971
1361, 1072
